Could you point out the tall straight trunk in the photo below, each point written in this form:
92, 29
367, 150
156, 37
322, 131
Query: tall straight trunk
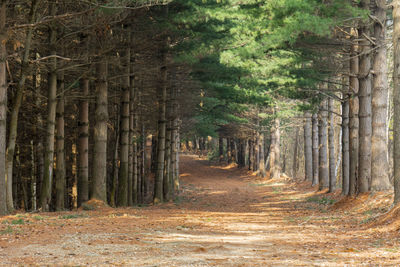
323, 171
233, 150
221, 148
241, 153
228, 150
123, 179
33, 177
17, 101
275, 150
167, 182
148, 156
135, 162
295, 151
379, 142
331, 137
175, 141
308, 163
158, 184
83, 144
315, 150
396, 100
178, 149
345, 148
132, 162
115, 168
3, 106
364, 95
45, 196
174, 149
60, 157
37, 144
143, 180
354, 120
99, 172
262, 171
251, 155
256, 152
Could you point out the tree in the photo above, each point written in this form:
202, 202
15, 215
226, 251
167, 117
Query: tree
99, 173
396, 99
3, 105
379, 142
45, 197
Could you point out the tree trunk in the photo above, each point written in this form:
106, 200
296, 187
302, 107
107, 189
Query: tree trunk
123, 179
251, 155
133, 195
175, 141
45, 197
345, 148
323, 171
221, 148
83, 145
234, 150
315, 150
142, 186
256, 152
379, 142
13, 127
354, 121
331, 136
115, 169
308, 148
3, 106
99, 172
396, 100
365, 130
295, 152
262, 172
167, 163
158, 185
60, 162
275, 150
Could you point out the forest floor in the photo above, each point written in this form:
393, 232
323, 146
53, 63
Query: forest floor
223, 217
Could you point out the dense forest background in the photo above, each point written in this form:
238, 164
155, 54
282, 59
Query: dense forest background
97, 98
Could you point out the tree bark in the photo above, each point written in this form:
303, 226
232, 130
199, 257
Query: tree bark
379, 142
158, 185
3, 106
365, 130
315, 150
308, 162
331, 136
295, 151
221, 148
167, 182
345, 148
13, 127
396, 100
275, 150
323, 171
354, 120
123, 179
99, 172
45, 197
133, 198
83, 145
60, 157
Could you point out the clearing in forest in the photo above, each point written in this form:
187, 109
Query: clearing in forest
223, 217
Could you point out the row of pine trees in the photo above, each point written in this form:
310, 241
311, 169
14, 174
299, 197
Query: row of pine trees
96, 96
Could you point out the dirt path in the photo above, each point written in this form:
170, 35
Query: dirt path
223, 217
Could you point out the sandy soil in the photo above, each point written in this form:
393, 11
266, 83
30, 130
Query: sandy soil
223, 217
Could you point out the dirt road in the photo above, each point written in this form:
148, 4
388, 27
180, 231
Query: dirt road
223, 217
